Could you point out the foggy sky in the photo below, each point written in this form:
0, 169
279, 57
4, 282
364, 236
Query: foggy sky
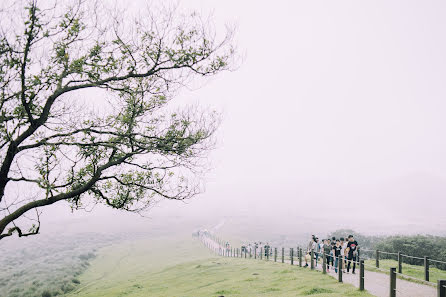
337, 106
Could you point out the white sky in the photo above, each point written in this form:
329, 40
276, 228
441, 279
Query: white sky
337, 90
332, 95
338, 104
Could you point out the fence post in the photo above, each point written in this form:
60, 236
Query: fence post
312, 259
283, 255
377, 259
392, 282
324, 263
359, 255
400, 262
300, 257
261, 253
292, 255
426, 268
441, 288
245, 252
361, 275
231, 253
275, 254
339, 268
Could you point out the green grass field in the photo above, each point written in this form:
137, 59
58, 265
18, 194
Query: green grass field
183, 267
410, 270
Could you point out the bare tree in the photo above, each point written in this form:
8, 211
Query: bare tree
123, 146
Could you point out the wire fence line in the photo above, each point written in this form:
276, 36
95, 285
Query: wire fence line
295, 256
417, 263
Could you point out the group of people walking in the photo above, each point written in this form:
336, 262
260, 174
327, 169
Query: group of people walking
334, 249
258, 247
345, 249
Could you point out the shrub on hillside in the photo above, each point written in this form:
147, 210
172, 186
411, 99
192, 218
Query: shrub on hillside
76, 281
433, 247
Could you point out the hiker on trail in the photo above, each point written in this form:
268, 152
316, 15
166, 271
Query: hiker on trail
309, 248
333, 243
337, 253
329, 255
316, 248
343, 253
352, 248
267, 248
311, 243
321, 247
327, 249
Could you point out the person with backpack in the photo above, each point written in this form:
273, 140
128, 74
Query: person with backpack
309, 248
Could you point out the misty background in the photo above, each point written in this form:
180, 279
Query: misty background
334, 119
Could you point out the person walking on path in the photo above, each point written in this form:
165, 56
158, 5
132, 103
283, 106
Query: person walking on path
352, 248
330, 252
333, 243
343, 253
316, 248
326, 251
337, 252
309, 248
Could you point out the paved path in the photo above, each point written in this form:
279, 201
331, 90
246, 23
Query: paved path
378, 284
375, 283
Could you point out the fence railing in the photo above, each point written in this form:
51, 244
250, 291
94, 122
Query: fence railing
425, 262
292, 256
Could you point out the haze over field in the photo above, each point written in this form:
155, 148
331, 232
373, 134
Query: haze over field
337, 106
326, 115
336, 110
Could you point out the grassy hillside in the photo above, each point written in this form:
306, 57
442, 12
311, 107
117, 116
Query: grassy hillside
182, 267
47, 265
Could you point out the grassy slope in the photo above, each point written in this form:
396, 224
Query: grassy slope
410, 270
182, 267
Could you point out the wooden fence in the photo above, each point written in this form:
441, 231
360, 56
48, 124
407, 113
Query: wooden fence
219, 247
